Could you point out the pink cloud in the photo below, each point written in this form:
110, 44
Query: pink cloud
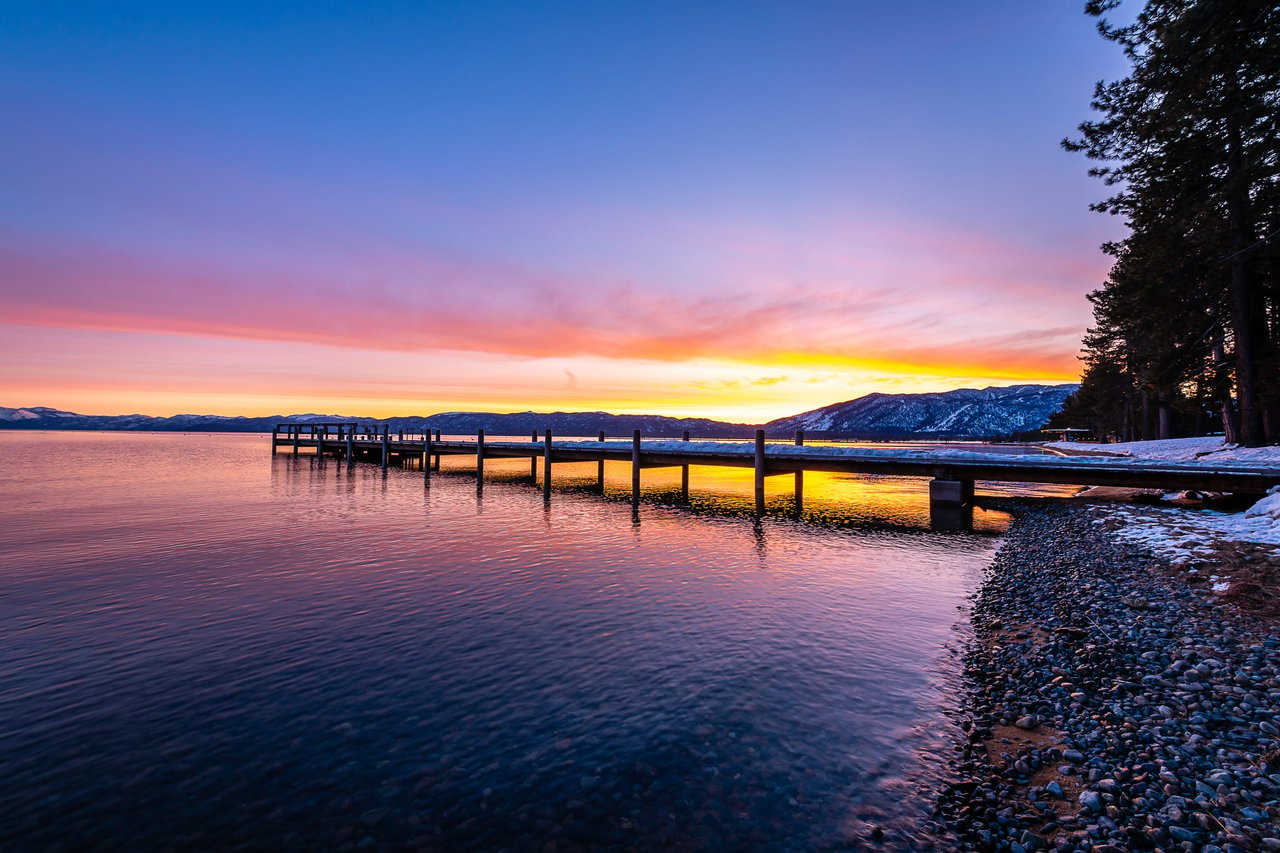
400, 301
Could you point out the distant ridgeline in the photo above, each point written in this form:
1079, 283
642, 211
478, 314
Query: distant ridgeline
965, 413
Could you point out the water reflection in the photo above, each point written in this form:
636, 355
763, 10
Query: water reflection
202, 646
848, 500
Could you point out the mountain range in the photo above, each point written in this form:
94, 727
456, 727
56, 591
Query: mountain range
963, 413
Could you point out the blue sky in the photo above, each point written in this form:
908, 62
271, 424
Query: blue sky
450, 178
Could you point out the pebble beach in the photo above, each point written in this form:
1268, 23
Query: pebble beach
1110, 705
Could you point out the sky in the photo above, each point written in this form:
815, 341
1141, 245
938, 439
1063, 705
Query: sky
735, 210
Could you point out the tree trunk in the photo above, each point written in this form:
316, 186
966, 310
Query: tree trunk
1164, 416
1230, 425
1248, 319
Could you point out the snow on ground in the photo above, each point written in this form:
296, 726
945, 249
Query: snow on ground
1184, 536
1205, 449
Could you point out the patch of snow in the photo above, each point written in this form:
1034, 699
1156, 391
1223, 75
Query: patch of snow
1204, 449
1268, 507
1183, 536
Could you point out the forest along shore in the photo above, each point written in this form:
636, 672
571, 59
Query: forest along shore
1110, 705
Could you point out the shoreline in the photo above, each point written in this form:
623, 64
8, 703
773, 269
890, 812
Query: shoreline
1109, 705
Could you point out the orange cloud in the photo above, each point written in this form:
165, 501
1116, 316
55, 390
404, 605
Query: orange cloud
426, 302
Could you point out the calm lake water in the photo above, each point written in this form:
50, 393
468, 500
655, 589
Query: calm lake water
205, 646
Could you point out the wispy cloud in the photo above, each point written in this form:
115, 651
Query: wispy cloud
417, 302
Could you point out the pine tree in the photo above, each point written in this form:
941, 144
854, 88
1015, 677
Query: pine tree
1189, 141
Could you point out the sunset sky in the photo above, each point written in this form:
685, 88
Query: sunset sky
740, 210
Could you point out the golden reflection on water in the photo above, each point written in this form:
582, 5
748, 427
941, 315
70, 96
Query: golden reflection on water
826, 498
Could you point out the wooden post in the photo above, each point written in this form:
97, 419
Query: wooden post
274, 430
533, 460
351, 450
684, 473
799, 475
320, 441
479, 455
635, 468
947, 492
759, 472
294, 429
386, 446
600, 467
546, 466
426, 454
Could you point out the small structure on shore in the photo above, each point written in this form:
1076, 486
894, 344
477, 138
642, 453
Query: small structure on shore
1067, 433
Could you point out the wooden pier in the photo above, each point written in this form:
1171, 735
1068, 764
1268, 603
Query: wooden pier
951, 476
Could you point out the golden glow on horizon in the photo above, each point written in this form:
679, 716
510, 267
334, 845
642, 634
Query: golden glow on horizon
165, 375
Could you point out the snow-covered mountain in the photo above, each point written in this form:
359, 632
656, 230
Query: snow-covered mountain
963, 413
34, 413
450, 423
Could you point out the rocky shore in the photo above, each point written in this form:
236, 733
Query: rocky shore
1111, 706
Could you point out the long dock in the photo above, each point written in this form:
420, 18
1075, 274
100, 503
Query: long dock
951, 475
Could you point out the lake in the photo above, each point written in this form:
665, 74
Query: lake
202, 645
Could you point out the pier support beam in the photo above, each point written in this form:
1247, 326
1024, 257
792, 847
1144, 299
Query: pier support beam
479, 457
274, 431
546, 466
684, 473
600, 469
950, 492
759, 466
799, 476
320, 436
635, 468
351, 450
426, 455
294, 430
386, 447
951, 517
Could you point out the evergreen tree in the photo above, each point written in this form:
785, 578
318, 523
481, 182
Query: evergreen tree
1189, 141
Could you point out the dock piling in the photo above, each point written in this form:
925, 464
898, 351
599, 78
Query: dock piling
479, 456
759, 466
296, 438
386, 447
944, 492
351, 450
684, 474
799, 476
546, 466
635, 468
600, 468
533, 460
